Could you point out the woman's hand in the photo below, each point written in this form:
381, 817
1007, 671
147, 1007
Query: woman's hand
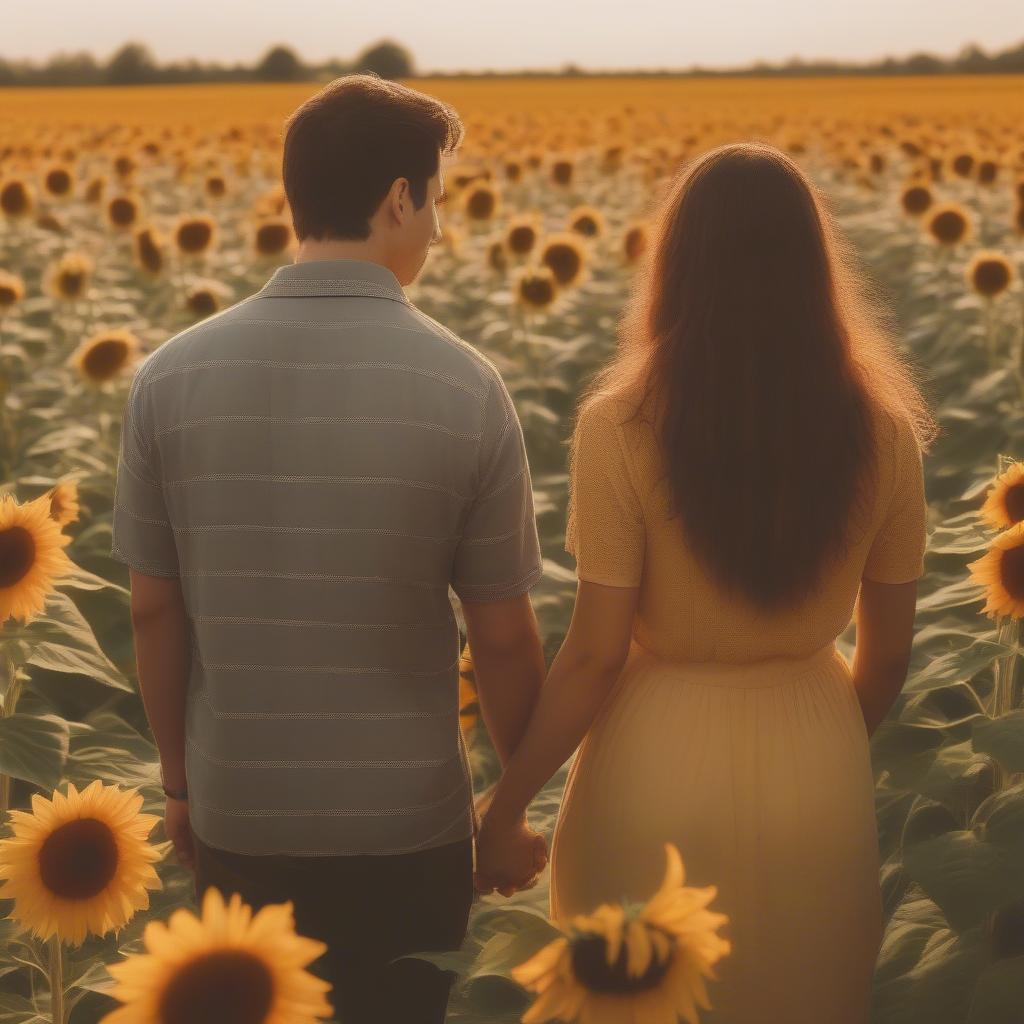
509, 856
179, 830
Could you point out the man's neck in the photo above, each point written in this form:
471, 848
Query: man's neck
340, 249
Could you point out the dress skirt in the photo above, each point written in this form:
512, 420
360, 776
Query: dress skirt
761, 775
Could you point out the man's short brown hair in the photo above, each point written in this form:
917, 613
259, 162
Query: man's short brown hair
345, 146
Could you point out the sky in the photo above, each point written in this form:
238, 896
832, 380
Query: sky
448, 35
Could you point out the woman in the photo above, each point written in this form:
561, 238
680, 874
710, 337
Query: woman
747, 466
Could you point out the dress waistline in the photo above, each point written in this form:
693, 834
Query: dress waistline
767, 672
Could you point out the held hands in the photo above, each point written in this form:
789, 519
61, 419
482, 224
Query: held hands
509, 855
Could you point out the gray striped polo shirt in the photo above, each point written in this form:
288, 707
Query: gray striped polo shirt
318, 464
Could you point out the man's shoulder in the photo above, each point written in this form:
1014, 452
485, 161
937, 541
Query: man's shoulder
183, 346
475, 362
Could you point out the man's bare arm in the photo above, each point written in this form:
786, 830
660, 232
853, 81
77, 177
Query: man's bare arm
508, 660
162, 639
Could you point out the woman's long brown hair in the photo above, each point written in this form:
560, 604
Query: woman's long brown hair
753, 345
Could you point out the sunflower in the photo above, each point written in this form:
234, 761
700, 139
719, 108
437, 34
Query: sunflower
228, 966
513, 170
962, 165
587, 221
948, 223
122, 212
32, 559
497, 257
566, 257
148, 249
79, 863
481, 202
916, 199
521, 234
988, 172
68, 278
634, 243
16, 198
59, 182
215, 186
12, 289
193, 235
94, 190
49, 221
1001, 571
1004, 502
64, 504
536, 288
272, 236
989, 273
635, 964
469, 704
562, 172
103, 356
204, 298
125, 165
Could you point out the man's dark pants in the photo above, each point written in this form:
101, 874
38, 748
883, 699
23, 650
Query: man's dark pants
368, 909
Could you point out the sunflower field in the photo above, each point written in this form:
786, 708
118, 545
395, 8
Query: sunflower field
126, 215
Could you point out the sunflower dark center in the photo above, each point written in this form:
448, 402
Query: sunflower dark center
122, 211
537, 290
58, 182
105, 358
917, 199
202, 302
14, 198
1011, 571
194, 236
1014, 499
17, 554
78, 859
228, 986
271, 238
991, 276
521, 239
150, 255
590, 965
8, 295
71, 282
564, 261
948, 226
481, 204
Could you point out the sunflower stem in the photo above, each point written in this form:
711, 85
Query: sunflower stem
55, 965
12, 690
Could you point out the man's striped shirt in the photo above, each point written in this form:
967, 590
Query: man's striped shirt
317, 464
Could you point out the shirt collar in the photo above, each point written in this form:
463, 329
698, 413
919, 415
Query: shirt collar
342, 276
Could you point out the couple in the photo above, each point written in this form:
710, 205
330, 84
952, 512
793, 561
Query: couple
304, 475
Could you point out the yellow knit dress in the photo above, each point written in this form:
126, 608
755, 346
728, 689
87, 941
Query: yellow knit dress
735, 735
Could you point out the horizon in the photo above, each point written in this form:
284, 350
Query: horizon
242, 34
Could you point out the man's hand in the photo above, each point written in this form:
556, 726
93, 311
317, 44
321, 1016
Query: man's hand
508, 857
179, 831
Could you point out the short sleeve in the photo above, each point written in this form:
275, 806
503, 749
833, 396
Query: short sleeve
499, 555
605, 523
897, 551
142, 536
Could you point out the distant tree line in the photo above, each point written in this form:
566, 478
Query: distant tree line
134, 64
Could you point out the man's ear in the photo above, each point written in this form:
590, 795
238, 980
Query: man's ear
400, 202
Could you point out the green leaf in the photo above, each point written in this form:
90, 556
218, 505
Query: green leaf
34, 748
61, 640
967, 877
1003, 738
999, 994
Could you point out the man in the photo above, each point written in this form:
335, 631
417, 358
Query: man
301, 478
